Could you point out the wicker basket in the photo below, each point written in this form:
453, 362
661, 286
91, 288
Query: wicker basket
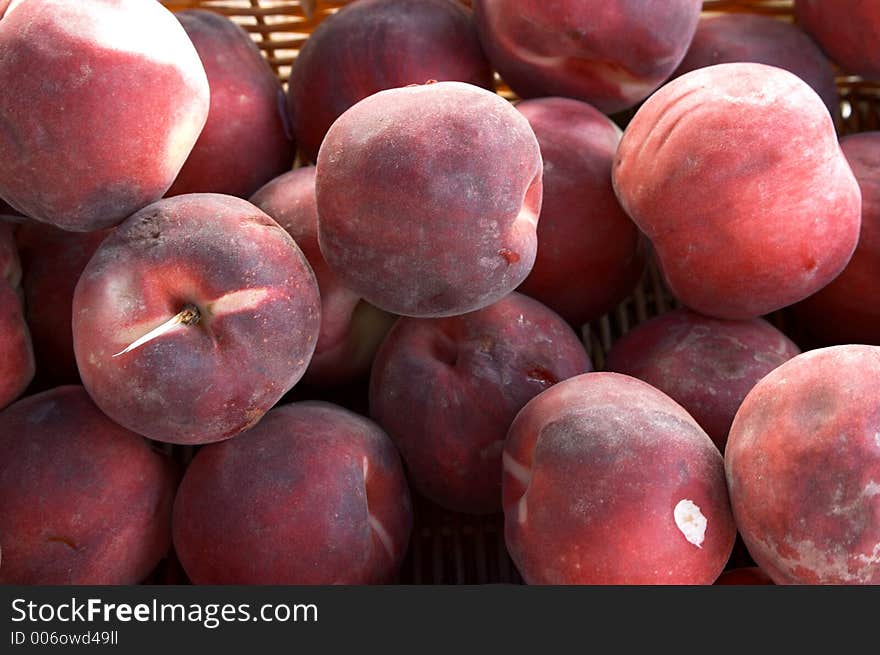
449, 548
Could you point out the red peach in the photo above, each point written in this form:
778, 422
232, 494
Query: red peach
609, 481
707, 365
447, 389
590, 254
351, 328
102, 102
846, 30
16, 352
735, 174
803, 468
314, 494
428, 198
193, 318
373, 45
247, 139
84, 501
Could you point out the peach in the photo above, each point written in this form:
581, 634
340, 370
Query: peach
447, 389
843, 312
707, 365
730, 38
351, 328
803, 468
16, 352
52, 260
102, 102
428, 198
735, 174
247, 139
590, 254
845, 29
193, 318
85, 501
607, 480
373, 45
312, 495
609, 53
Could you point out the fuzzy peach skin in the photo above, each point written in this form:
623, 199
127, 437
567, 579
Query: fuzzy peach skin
590, 254
313, 495
844, 312
17, 365
847, 30
707, 365
102, 102
52, 260
247, 139
351, 328
447, 389
255, 303
735, 174
609, 481
803, 468
743, 37
428, 198
85, 501
609, 53
373, 45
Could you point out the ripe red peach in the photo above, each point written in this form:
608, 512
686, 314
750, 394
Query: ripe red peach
351, 328
707, 365
312, 495
803, 468
428, 198
845, 29
447, 389
52, 260
590, 254
607, 480
735, 174
841, 312
373, 45
247, 139
193, 318
102, 102
609, 53
743, 37
84, 501
16, 352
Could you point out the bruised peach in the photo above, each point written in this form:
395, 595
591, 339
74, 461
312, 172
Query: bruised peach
609, 481
102, 102
590, 254
373, 45
803, 468
707, 365
609, 53
447, 390
351, 328
314, 494
193, 318
735, 174
428, 198
84, 501
246, 140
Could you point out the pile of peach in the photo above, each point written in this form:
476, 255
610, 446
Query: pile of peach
185, 302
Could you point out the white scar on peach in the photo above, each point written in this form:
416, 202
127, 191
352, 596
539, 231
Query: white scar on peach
516, 470
230, 303
690, 520
374, 522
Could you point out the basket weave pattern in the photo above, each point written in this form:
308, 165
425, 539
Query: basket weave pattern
448, 548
